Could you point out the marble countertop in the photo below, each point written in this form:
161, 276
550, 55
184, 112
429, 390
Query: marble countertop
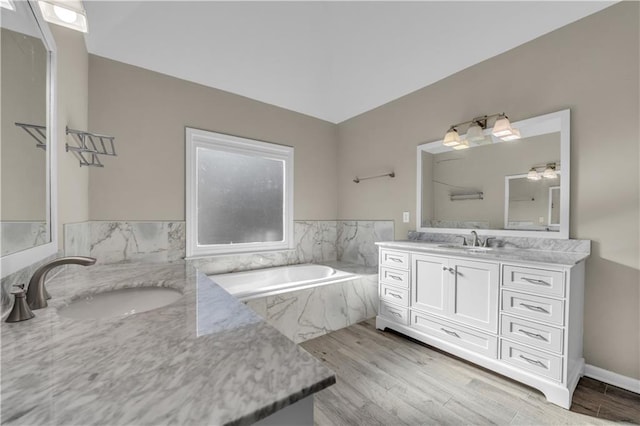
205, 359
500, 254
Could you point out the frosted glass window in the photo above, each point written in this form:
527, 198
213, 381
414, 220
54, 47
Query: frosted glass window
239, 194
240, 198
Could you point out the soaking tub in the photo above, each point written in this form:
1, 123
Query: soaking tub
271, 281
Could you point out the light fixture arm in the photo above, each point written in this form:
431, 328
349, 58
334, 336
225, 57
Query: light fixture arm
482, 120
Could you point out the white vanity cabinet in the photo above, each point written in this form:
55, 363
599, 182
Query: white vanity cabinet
520, 319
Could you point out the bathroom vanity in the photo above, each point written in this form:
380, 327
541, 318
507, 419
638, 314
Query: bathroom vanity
203, 359
517, 312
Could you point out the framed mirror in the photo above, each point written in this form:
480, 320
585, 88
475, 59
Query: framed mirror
27, 138
469, 189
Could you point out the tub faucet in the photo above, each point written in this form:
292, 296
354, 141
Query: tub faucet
36, 292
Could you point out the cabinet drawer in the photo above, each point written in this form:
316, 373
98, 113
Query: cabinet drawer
542, 281
484, 344
394, 313
394, 295
394, 259
535, 307
395, 277
532, 360
538, 335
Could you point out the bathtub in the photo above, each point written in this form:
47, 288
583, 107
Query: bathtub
282, 279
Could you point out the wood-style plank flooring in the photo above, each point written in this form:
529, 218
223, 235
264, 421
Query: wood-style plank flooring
384, 378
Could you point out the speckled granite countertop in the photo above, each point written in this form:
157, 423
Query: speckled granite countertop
206, 359
499, 254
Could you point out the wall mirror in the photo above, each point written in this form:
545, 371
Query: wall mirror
27, 219
489, 187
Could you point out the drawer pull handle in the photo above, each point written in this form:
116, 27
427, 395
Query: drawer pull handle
534, 308
394, 259
396, 314
395, 277
534, 281
450, 333
534, 335
534, 361
397, 296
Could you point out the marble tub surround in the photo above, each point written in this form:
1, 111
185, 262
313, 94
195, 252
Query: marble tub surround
357, 238
205, 359
547, 244
565, 258
308, 313
18, 236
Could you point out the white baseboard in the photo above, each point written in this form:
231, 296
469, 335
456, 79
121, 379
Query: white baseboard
615, 379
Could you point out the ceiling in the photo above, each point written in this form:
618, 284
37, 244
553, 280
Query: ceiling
331, 60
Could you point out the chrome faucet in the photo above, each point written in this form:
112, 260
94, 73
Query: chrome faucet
36, 293
475, 241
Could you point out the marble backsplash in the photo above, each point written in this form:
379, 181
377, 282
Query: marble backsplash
314, 242
548, 244
18, 236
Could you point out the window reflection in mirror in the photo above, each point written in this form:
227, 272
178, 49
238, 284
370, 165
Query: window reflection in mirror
23, 86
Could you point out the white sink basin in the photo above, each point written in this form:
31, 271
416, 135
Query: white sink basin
120, 303
470, 249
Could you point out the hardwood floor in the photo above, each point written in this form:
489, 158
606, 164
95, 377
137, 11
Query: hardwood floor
384, 378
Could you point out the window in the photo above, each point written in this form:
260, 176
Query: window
239, 194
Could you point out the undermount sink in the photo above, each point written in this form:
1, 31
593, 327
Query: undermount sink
120, 303
470, 249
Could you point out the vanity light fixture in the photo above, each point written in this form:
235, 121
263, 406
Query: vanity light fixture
550, 171
452, 138
533, 174
67, 13
475, 132
7, 4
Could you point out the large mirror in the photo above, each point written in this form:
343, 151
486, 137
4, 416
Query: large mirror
491, 187
27, 233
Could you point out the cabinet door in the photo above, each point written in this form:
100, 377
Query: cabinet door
473, 298
429, 278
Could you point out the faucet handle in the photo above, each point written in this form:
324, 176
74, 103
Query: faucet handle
21, 310
464, 239
486, 241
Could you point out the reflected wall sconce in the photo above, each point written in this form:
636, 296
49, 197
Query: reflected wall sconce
67, 13
502, 130
549, 171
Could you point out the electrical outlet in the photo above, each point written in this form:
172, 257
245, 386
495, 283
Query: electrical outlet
541, 220
405, 217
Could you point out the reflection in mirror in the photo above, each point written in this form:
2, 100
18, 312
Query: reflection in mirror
24, 100
532, 205
24, 214
465, 189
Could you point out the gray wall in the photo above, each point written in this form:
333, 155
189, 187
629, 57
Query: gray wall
147, 113
590, 66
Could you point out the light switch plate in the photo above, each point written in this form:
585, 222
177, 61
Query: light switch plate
405, 217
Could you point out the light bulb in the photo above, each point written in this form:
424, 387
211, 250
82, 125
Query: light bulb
550, 172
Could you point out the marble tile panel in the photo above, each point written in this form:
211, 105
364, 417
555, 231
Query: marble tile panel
18, 236
315, 241
357, 238
77, 239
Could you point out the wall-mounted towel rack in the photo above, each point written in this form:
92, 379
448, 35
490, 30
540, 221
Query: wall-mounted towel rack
90, 146
39, 133
391, 175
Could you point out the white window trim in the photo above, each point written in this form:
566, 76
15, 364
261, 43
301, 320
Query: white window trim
196, 138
